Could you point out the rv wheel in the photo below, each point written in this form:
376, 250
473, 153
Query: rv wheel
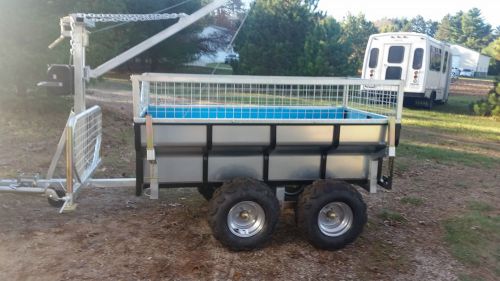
430, 101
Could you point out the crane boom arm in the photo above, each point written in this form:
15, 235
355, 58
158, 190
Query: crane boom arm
155, 39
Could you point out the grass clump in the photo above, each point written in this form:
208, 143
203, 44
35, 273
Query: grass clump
474, 237
480, 206
410, 200
391, 216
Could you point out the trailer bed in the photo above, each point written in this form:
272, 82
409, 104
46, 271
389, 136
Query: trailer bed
208, 129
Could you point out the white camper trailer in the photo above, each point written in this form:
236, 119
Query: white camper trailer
422, 62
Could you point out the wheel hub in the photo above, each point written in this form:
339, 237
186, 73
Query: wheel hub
245, 215
246, 219
331, 215
335, 219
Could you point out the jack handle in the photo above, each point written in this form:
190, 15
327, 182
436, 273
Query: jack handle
56, 42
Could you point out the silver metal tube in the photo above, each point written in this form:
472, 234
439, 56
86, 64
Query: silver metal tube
12, 189
79, 42
117, 182
250, 79
69, 162
154, 40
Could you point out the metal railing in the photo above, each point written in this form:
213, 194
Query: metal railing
82, 138
83, 146
230, 97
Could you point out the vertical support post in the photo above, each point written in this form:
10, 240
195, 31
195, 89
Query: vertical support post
345, 96
151, 157
79, 41
392, 150
399, 109
154, 185
69, 165
136, 98
372, 175
59, 150
145, 91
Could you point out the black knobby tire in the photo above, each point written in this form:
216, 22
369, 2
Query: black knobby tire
232, 193
206, 191
320, 194
57, 203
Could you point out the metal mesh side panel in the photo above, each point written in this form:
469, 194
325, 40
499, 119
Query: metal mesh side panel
87, 131
182, 97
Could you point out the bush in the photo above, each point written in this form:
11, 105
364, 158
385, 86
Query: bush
489, 106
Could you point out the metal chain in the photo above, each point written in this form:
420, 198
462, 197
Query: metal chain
156, 12
230, 45
128, 17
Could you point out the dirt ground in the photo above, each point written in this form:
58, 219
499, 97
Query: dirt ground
114, 235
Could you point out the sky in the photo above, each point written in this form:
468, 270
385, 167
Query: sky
429, 9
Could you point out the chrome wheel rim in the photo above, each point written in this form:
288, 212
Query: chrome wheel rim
335, 219
246, 219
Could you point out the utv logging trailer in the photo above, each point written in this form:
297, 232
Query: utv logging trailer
248, 143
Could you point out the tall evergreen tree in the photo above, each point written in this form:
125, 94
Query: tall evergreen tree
355, 32
476, 33
273, 38
325, 52
444, 31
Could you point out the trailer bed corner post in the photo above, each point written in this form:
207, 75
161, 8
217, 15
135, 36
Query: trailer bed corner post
151, 157
372, 175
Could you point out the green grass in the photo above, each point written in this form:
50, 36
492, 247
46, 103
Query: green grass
474, 237
458, 104
449, 134
454, 119
203, 70
446, 155
410, 200
464, 277
109, 83
480, 206
221, 66
392, 216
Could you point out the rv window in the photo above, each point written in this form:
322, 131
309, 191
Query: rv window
396, 54
393, 73
373, 58
445, 64
435, 59
418, 57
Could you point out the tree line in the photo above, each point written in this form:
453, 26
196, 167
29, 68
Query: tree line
279, 37
294, 38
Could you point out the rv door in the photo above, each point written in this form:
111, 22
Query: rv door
395, 61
